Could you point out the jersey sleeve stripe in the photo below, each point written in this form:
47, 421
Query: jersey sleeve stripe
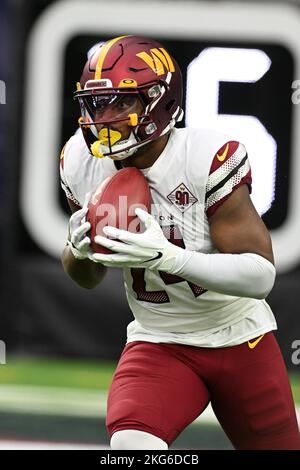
224, 168
221, 181
237, 177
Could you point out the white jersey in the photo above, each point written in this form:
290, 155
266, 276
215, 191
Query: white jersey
195, 173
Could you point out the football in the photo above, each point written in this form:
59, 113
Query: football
114, 203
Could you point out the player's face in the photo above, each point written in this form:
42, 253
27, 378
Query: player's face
106, 108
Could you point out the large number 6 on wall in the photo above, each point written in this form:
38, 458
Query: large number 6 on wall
204, 74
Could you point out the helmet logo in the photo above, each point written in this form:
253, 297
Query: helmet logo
158, 61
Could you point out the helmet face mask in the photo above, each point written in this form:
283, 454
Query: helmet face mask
129, 81
99, 106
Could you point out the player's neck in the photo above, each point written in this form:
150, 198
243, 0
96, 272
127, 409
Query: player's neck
147, 155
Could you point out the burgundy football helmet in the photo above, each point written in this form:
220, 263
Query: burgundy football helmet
122, 73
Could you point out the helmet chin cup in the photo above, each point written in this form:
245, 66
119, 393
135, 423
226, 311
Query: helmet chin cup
109, 144
109, 137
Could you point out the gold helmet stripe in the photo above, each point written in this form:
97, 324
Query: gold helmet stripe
103, 53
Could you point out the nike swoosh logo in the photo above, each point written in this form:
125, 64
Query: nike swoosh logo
254, 343
159, 255
222, 157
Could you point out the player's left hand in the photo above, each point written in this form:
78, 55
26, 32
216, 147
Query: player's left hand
149, 249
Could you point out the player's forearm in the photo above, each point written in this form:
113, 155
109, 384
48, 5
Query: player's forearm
242, 275
84, 272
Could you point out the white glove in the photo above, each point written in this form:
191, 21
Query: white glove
242, 275
149, 249
79, 242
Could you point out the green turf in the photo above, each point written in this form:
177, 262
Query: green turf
295, 383
57, 373
74, 374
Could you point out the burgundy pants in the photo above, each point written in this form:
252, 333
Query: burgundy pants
161, 388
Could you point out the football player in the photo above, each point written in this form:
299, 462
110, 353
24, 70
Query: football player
196, 281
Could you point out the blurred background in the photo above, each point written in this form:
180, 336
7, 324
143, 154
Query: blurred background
59, 343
